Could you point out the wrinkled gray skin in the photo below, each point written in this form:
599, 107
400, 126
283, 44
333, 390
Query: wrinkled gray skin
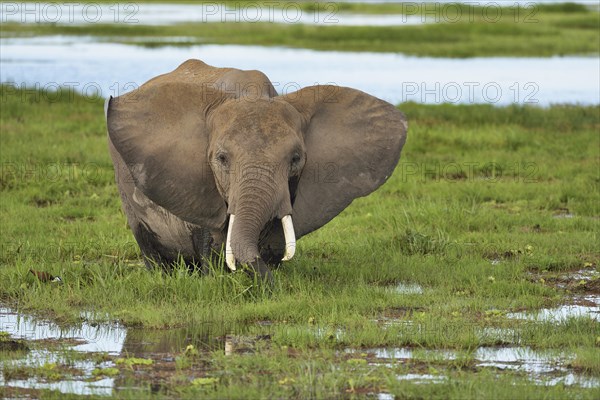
195, 145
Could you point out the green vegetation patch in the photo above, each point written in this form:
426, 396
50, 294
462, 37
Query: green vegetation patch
487, 211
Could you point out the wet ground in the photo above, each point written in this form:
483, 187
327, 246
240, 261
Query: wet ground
103, 359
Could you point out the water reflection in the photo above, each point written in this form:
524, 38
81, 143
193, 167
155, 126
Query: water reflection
114, 340
589, 308
94, 338
91, 338
541, 367
102, 69
141, 342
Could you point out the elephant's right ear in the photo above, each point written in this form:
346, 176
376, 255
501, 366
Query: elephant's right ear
160, 131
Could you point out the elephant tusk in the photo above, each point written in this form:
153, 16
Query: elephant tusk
229, 257
290, 238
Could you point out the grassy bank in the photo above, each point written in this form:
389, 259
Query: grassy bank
487, 210
475, 184
467, 31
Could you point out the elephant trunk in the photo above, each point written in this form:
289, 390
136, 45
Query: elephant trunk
258, 202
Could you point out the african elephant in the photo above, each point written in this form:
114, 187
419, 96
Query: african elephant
208, 156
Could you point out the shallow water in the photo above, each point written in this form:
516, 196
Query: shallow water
591, 309
544, 368
409, 353
94, 339
407, 288
519, 359
541, 367
111, 339
99, 69
76, 385
549, 367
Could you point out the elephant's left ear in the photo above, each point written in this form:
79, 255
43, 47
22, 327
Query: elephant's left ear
353, 143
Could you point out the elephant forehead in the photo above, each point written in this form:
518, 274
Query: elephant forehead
264, 113
258, 123
261, 135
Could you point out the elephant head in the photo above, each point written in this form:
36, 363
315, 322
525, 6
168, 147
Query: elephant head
219, 149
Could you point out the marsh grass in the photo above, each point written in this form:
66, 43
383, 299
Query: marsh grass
544, 30
469, 233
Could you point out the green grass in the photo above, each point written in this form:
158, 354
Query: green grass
472, 214
543, 30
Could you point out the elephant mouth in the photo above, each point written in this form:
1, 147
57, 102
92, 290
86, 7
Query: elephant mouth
268, 254
288, 234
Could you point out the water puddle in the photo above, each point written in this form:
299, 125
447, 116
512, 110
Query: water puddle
94, 338
564, 216
404, 353
167, 14
99, 69
495, 335
86, 338
589, 306
79, 352
518, 359
584, 274
487, 335
408, 288
542, 367
46, 356
142, 342
545, 368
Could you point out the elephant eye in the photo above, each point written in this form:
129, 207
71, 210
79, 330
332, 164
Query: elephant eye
222, 159
295, 159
